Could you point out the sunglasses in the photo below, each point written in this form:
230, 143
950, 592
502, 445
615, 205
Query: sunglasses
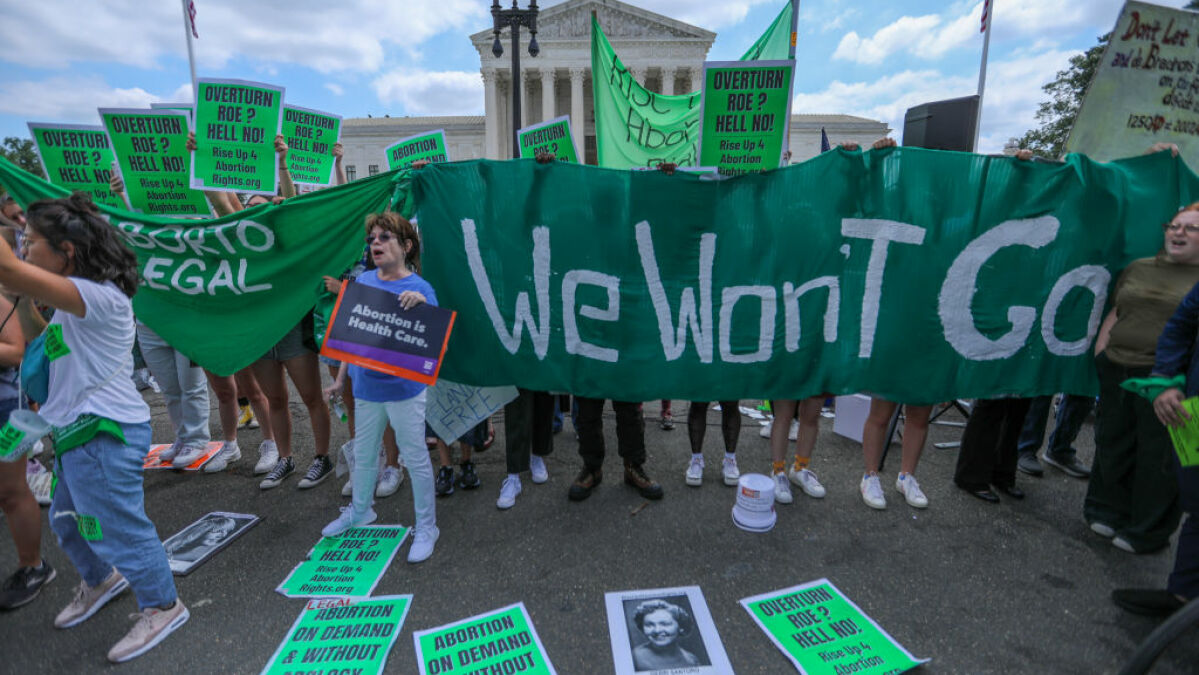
383, 238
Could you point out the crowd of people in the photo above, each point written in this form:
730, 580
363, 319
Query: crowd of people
68, 280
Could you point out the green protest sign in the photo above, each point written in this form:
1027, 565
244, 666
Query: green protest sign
500, 641
76, 157
151, 148
185, 107
429, 146
310, 135
341, 635
746, 106
1186, 436
552, 136
348, 565
822, 631
236, 124
1144, 88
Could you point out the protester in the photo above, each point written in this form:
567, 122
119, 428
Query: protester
1072, 411
77, 263
804, 478
381, 398
1132, 496
528, 440
730, 430
630, 438
988, 453
468, 478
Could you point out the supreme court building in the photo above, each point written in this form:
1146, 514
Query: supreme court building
663, 54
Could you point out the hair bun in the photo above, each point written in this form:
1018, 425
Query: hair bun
81, 202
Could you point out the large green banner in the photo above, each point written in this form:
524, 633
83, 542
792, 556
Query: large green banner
224, 291
746, 105
428, 146
151, 148
76, 157
310, 135
236, 124
552, 136
918, 275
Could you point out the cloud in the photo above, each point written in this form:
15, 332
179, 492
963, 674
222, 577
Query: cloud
334, 89
423, 92
886, 41
75, 99
709, 14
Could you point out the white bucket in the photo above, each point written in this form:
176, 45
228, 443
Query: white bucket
754, 510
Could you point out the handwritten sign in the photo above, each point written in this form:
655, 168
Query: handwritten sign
746, 107
151, 148
1146, 88
310, 135
236, 124
452, 409
552, 136
341, 635
429, 146
76, 157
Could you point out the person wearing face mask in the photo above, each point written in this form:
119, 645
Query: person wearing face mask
662, 623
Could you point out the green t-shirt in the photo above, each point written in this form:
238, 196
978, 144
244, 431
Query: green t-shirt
1147, 294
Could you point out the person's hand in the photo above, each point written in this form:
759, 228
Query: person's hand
883, 143
1161, 147
332, 285
545, 157
334, 388
281, 150
667, 168
1024, 154
1168, 407
420, 164
115, 182
276, 200
339, 153
849, 145
191, 141
410, 299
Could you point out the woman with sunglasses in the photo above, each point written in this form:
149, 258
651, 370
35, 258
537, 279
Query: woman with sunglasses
381, 398
1132, 497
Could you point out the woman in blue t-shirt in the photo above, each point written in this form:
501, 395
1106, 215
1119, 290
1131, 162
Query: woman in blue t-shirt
379, 397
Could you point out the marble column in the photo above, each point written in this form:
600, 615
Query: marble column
491, 123
697, 79
578, 122
547, 94
526, 101
668, 81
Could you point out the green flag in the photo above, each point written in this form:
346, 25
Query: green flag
775, 43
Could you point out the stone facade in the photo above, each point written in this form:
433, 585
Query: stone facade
663, 54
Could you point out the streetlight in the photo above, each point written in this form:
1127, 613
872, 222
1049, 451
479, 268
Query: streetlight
515, 18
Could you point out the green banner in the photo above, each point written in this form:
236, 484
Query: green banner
552, 136
746, 105
348, 565
500, 641
816, 278
151, 147
310, 135
429, 146
224, 291
341, 635
775, 43
822, 631
1186, 435
236, 124
76, 157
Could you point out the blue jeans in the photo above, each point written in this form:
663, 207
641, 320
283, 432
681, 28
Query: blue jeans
103, 479
1071, 413
184, 388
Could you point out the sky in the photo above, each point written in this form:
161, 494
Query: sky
62, 59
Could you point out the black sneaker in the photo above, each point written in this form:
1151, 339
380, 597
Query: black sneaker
468, 479
24, 585
1069, 466
284, 467
444, 484
320, 469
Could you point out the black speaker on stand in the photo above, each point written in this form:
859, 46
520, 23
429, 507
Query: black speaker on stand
942, 125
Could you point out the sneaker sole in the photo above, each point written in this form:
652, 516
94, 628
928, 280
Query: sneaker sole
216, 466
162, 635
305, 484
732, 481
378, 492
693, 482
36, 591
368, 521
1064, 469
113, 592
541, 478
1102, 529
270, 485
879, 507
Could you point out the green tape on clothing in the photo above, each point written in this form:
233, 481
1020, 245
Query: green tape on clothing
89, 527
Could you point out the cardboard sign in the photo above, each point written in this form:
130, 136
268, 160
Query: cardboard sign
552, 136
369, 328
452, 409
310, 135
76, 157
236, 124
201, 540
342, 635
154, 461
151, 148
430, 146
500, 641
348, 565
822, 631
668, 630
746, 109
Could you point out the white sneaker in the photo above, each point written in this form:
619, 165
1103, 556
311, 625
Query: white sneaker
782, 489
389, 481
537, 467
1103, 529
268, 456
793, 433
347, 519
152, 627
187, 456
807, 481
508, 492
695, 471
422, 544
765, 432
729, 471
169, 454
228, 454
872, 492
347, 490
910, 489
88, 600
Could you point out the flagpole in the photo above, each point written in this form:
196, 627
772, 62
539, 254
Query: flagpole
794, 28
791, 55
989, 8
187, 31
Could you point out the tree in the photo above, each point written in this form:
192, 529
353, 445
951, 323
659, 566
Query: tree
1066, 92
20, 151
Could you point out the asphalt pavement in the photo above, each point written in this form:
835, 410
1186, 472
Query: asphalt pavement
1021, 587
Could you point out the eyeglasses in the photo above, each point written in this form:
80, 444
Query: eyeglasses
1188, 228
383, 238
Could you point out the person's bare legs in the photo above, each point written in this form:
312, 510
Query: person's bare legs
269, 375
247, 387
22, 512
809, 427
783, 410
390, 449
225, 389
874, 433
915, 433
305, 373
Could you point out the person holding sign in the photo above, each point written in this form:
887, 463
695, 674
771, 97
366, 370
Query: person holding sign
381, 398
77, 263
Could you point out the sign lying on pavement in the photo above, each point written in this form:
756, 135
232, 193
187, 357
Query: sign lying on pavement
341, 635
500, 641
350, 565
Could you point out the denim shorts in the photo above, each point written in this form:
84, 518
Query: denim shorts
289, 347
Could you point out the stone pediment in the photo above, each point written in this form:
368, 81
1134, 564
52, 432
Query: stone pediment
571, 20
